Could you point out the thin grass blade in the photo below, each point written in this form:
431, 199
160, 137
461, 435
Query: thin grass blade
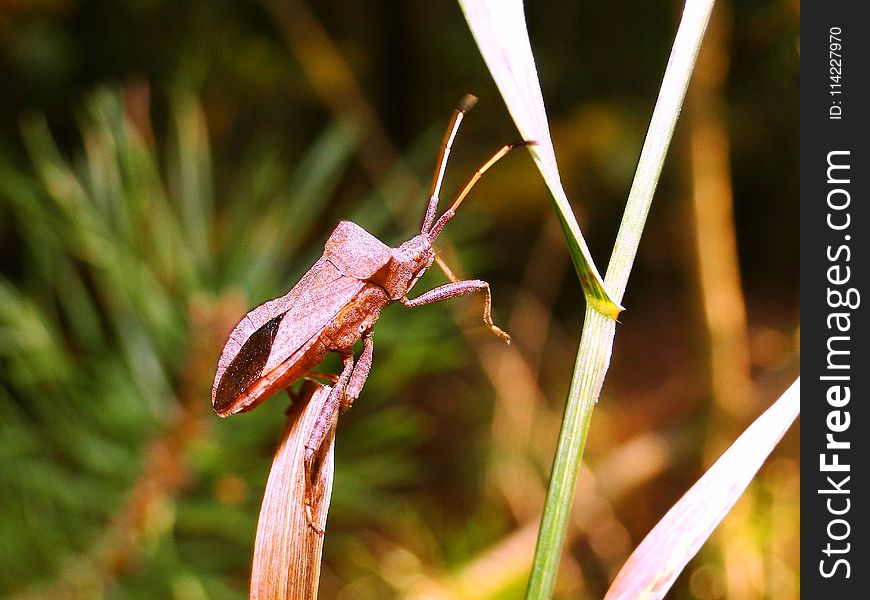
655, 564
499, 28
500, 31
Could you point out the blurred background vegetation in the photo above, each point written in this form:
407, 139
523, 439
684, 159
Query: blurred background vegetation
166, 166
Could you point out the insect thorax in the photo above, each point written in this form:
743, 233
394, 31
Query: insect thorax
407, 263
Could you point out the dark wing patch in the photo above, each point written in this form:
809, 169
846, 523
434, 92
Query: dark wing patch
247, 365
304, 311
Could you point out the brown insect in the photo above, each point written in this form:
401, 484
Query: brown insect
337, 302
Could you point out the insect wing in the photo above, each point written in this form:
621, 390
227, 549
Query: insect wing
271, 333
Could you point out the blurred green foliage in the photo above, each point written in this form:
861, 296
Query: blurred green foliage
166, 166
103, 334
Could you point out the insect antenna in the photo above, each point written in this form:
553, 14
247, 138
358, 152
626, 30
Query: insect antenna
448, 214
466, 103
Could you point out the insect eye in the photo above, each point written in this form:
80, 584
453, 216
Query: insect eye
416, 256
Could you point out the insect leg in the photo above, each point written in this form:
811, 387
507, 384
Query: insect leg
456, 289
329, 411
314, 484
322, 427
360, 373
313, 469
313, 375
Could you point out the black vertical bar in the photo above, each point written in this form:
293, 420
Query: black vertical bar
835, 368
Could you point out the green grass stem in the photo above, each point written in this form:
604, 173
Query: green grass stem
593, 355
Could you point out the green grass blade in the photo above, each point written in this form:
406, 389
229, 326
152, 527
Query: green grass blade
598, 331
500, 32
681, 62
191, 179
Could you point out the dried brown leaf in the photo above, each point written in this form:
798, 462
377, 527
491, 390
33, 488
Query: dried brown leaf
288, 548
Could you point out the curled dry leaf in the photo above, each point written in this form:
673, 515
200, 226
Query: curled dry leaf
288, 547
